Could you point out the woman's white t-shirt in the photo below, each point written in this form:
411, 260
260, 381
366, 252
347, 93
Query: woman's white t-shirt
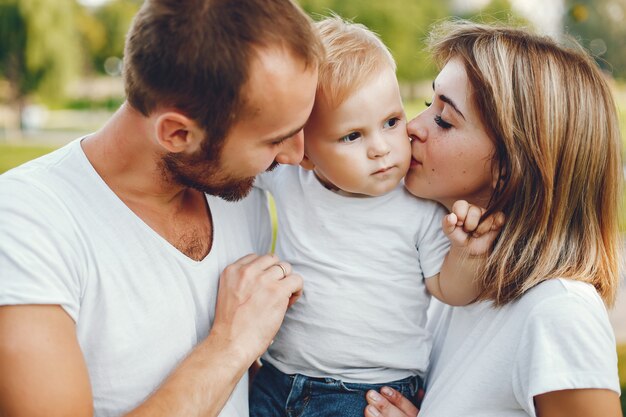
490, 361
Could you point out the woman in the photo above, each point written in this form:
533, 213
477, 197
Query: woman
521, 125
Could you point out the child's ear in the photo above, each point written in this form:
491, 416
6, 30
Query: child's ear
307, 163
177, 133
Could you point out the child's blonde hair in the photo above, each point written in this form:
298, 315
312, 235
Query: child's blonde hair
353, 55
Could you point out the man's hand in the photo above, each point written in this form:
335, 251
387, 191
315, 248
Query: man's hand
253, 297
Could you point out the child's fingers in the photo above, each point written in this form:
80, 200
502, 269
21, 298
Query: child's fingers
472, 219
492, 223
460, 208
498, 221
449, 223
487, 225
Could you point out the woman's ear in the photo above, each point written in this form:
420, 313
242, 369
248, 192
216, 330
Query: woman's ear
306, 163
497, 174
177, 133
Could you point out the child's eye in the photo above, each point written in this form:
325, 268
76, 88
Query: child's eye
442, 123
391, 122
350, 137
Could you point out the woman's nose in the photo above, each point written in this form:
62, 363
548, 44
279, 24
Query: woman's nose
416, 130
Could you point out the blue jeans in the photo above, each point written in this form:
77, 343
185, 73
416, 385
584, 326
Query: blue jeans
274, 394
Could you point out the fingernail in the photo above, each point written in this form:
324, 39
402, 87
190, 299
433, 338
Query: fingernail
387, 391
374, 396
373, 411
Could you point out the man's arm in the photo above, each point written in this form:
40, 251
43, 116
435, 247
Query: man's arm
43, 372
470, 242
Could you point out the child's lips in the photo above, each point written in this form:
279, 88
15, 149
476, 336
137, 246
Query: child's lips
384, 170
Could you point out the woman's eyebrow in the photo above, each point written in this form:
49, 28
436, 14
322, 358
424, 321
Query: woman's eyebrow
449, 101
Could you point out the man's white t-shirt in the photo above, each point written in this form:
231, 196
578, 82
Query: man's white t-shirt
362, 314
492, 362
140, 305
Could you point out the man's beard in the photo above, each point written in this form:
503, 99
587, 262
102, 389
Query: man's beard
204, 172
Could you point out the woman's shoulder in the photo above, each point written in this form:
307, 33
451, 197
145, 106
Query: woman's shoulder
561, 292
571, 309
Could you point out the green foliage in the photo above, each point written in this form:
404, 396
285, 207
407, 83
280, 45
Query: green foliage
496, 11
39, 51
109, 103
402, 25
621, 364
115, 18
599, 26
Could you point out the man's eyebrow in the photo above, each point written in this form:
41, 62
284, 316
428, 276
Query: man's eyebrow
286, 136
449, 101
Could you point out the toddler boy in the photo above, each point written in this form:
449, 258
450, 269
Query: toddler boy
369, 252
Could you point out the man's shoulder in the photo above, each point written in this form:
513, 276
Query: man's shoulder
42, 183
42, 170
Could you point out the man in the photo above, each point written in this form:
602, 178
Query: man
110, 250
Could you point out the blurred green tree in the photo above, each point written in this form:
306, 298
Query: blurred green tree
39, 48
115, 18
496, 11
402, 25
600, 25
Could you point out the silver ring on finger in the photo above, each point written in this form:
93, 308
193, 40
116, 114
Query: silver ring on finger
282, 268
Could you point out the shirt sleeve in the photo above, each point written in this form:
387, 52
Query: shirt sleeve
38, 264
432, 243
265, 180
567, 343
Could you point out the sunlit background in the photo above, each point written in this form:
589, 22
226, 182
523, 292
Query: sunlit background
61, 63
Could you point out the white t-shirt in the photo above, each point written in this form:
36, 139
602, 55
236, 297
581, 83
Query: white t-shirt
491, 362
140, 305
362, 314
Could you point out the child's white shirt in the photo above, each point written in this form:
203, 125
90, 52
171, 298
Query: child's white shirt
362, 314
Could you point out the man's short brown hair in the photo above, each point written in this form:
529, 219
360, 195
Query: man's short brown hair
194, 55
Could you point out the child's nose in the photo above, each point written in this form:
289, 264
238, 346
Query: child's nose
378, 147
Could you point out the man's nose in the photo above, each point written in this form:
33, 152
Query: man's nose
292, 150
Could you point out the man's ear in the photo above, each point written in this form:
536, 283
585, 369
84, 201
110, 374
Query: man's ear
177, 133
306, 163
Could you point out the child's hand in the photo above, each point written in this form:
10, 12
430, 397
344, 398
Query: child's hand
465, 230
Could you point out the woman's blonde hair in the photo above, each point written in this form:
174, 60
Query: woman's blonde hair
354, 54
551, 115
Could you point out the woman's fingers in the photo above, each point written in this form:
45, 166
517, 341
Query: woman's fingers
390, 404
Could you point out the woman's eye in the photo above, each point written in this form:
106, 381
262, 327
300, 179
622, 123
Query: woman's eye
391, 122
442, 123
350, 137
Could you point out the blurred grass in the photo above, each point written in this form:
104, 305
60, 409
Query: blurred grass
14, 155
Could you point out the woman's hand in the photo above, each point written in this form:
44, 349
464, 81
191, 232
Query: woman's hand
389, 403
